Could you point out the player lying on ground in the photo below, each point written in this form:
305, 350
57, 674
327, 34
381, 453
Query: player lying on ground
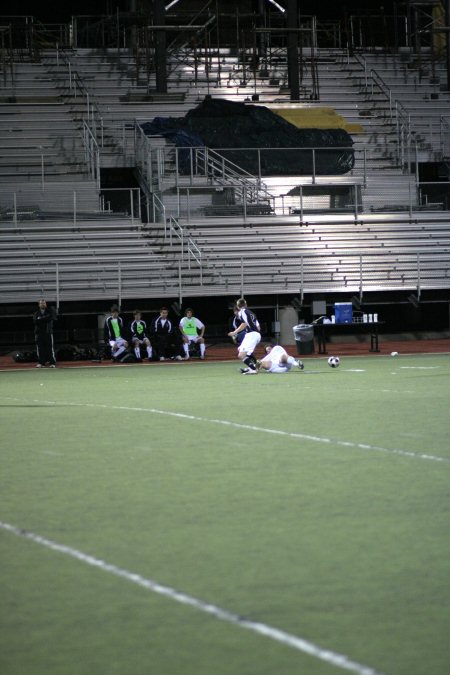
277, 360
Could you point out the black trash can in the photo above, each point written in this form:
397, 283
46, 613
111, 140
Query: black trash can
304, 338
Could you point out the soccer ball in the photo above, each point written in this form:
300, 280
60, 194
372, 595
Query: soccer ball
333, 361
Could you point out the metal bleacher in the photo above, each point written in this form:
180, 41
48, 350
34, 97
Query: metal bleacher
72, 113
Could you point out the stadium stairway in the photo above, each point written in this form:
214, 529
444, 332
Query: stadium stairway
419, 84
122, 94
43, 159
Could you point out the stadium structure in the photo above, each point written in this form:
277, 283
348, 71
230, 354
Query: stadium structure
174, 152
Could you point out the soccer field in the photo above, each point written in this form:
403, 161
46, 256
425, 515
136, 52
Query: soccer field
182, 519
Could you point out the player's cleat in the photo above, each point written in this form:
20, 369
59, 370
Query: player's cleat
39, 365
178, 358
244, 370
52, 365
250, 371
300, 364
161, 358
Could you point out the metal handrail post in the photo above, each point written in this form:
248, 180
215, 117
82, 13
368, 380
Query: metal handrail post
301, 204
242, 276
15, 208
57, 286
417, 162
149, 163
360, 278
180, 291
301, 279
74, 207
132, 206
42, 172
97, 162
313, 166
418, 276
119, 284
365, 166
139, 204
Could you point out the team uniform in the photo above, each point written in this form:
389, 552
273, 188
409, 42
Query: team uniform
252, 335
114, 335
235, 323
139, 337
165, 339
43, 334
277, 365
190, 326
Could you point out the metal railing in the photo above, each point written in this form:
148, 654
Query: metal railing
188, 245
398, 114
92, 153
126, 200
444, 136
17, 212
357, 272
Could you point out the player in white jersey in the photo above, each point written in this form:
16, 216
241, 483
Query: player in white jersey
277, 360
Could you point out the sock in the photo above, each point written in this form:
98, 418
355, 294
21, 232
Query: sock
149, 352
137, 351
202, 349
186, 348
292, 361
119, 352
250, 362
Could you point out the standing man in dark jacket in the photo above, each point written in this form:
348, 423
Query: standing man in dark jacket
165, 337
43, 334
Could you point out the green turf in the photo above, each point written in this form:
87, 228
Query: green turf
343, 545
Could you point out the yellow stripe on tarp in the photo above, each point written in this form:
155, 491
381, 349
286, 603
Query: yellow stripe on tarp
317, 118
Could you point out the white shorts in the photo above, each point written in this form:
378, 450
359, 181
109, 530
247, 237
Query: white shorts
274, 358
139, 341
118, 342
191, 338
249, 343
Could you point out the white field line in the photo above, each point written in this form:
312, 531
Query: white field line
419, 367
247, 427
302, 645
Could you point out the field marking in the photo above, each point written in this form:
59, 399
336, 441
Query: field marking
419, 367
247, 427
288, 639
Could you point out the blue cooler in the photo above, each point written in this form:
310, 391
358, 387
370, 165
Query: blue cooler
343, 312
